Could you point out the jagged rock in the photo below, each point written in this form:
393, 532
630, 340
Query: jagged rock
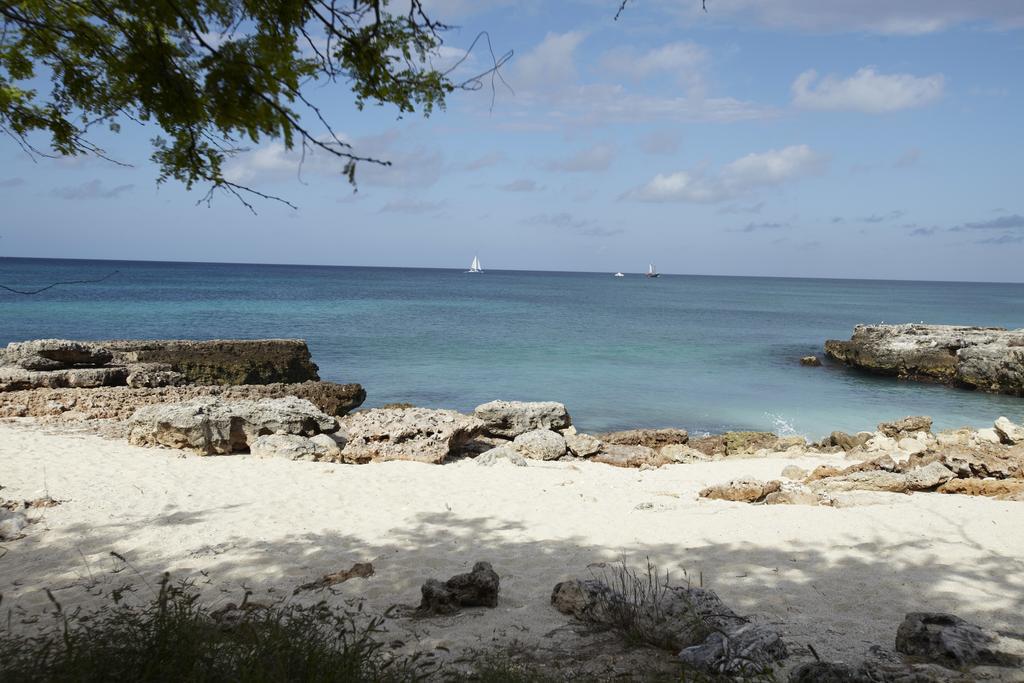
682, 454
582, 445
223, 361
144, 377
948, 639
419, 434
212, 425
908, 425
848, 441
1009, 433
712, 446
1003, 489
741, 490
11, 524
13, 378
989, 359
55, 354
792, 495
880, 666
652, 438
478, 588
540, 444
695, 622
989, 435
749, 649
481, 444
295, 447
499, 455
739, 443
512, 418
912, 446
810, 361
922, 479
979, 462
120, 402
629, 456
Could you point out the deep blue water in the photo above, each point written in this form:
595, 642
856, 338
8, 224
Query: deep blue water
705, 353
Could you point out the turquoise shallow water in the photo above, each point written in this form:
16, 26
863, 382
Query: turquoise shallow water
705, 353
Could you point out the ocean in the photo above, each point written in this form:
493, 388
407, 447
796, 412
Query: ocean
705, 353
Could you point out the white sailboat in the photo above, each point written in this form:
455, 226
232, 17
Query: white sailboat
475, 267
652, 271
620, 274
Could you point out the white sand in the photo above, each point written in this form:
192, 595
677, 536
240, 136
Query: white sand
839, 579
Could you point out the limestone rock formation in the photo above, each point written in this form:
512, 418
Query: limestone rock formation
984, 358
55, 354
582, 445
707, 634
908, 425
630, 456
741, 490
810, 361
948, 639
540, 444
651, 438
419, 434
1009, 432
296, 447
509, 419
211, 425
11, 524
478, 588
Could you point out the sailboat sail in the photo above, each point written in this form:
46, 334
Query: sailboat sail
475, 266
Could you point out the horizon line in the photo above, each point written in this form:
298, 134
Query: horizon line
502, 270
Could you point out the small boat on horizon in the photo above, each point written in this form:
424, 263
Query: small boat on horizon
475, 267
652, 271
619, 275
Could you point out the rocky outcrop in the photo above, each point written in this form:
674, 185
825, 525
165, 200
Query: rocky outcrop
651, 438
582, 445
629, 456
321, 447
214, 426
11, 524
509, 419
118, 403
1009, 432
906, 426
418, 434
983, 358
500, 455
540, 444
810, 361
58, 363
222, 361
741, 490
949, 640
478, 588
694, 622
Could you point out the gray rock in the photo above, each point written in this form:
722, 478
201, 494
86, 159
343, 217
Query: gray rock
141, 377
629, 456
794, 472
924, 478
741, 490
509, 419
848, 441
984, 358
792, 495
11, 524
810, 361
478, 588
582, 445
748, 650
709, 636
15, 378
948, 639
56, 354
296, 447
500, 455
418, 434
540, 444
1009, 433
681, 453
211, 425
908, 425
651, 438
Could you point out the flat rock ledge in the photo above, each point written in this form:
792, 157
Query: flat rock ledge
983, 358
64, 363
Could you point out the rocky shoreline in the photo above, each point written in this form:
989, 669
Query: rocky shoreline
982, 358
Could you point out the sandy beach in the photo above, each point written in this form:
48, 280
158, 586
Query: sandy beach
837, 579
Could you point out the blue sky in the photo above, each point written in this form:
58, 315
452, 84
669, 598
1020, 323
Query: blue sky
850, 138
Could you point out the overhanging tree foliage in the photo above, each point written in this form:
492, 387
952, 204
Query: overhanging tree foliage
213, 75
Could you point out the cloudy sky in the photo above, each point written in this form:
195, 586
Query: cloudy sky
849, 138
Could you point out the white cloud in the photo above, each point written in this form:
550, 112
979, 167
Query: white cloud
550, 64
93, 189
890, 17
521, 185
411, 165
736, 178
867, 91
596, 158
681, 61
489, 159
